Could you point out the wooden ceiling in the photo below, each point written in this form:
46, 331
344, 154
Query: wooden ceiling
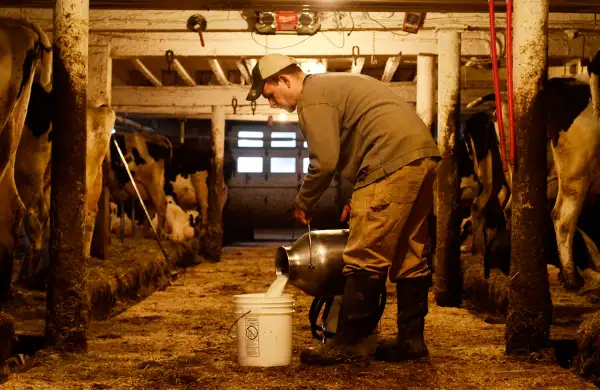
587, 6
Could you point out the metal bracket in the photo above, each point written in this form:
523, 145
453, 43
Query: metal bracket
355, 55
234, 104
169, 55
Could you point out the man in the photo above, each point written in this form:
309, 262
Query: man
357, 125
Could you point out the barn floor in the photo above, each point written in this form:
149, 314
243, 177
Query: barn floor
177, 339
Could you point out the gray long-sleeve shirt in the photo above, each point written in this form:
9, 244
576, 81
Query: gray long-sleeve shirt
359, 126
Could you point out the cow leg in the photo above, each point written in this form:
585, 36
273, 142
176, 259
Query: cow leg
565, 213
34, 231
11, 214
93, 196
198, 180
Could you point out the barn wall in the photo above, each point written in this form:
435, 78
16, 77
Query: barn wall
265, 200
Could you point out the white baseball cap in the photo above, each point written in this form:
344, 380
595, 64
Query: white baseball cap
264, 68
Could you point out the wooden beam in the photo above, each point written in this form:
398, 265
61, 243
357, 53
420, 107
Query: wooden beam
244, 72
218, 71
391, 66
100, 68
99, 92
185, 76
196, 111
68, 305
250, 64
213, 240
447, 281
208, 95
196, 101
146, 72
357, 65
529, 299
237, 44
171, 20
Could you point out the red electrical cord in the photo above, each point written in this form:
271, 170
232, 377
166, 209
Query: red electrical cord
497, 84
509, 76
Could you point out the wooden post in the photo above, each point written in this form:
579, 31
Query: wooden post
67, 303
448, 282
216, 187
530, 306
425, 88
99, 92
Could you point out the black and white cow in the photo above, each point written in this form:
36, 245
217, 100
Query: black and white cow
146, 156
23, 46
186, 176
162, 171
573, 164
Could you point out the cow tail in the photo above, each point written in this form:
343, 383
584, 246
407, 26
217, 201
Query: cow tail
482, 99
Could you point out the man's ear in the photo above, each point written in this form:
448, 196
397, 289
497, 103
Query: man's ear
286, 80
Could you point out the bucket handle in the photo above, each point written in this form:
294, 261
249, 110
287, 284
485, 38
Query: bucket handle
236, 321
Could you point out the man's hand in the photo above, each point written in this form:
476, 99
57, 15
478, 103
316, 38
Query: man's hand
345, 213
301, 215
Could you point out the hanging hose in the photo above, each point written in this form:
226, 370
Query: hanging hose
497, 84
509, 76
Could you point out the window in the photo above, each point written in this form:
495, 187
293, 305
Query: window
250, 164
250, 143
289, 143
283, 165
305, 162
305, 144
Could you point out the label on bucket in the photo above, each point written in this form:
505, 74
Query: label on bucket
252, 348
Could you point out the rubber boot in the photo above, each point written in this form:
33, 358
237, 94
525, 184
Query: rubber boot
412, 309
357, 319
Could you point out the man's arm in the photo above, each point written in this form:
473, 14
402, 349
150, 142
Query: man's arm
320, 125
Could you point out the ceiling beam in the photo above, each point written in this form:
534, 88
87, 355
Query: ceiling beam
317, 5
206, 96
191, 101
185, 76
218, 71
391, 66
107, 20
474, 43
146, 72
244, 72
357, 65
250, 64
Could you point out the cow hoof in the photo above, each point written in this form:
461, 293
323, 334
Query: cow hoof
572, 281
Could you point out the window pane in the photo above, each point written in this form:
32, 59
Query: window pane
250, 164
250, 143
305, 144
250, 134
305, 162
283, 144
283, 165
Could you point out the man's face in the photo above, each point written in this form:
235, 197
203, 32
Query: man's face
281, 93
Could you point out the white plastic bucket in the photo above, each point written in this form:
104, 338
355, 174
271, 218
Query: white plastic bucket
264, 329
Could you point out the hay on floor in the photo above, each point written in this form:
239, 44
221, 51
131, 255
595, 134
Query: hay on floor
489, 295
7, 335
587, 361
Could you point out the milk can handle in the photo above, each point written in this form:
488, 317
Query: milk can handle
310, 263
